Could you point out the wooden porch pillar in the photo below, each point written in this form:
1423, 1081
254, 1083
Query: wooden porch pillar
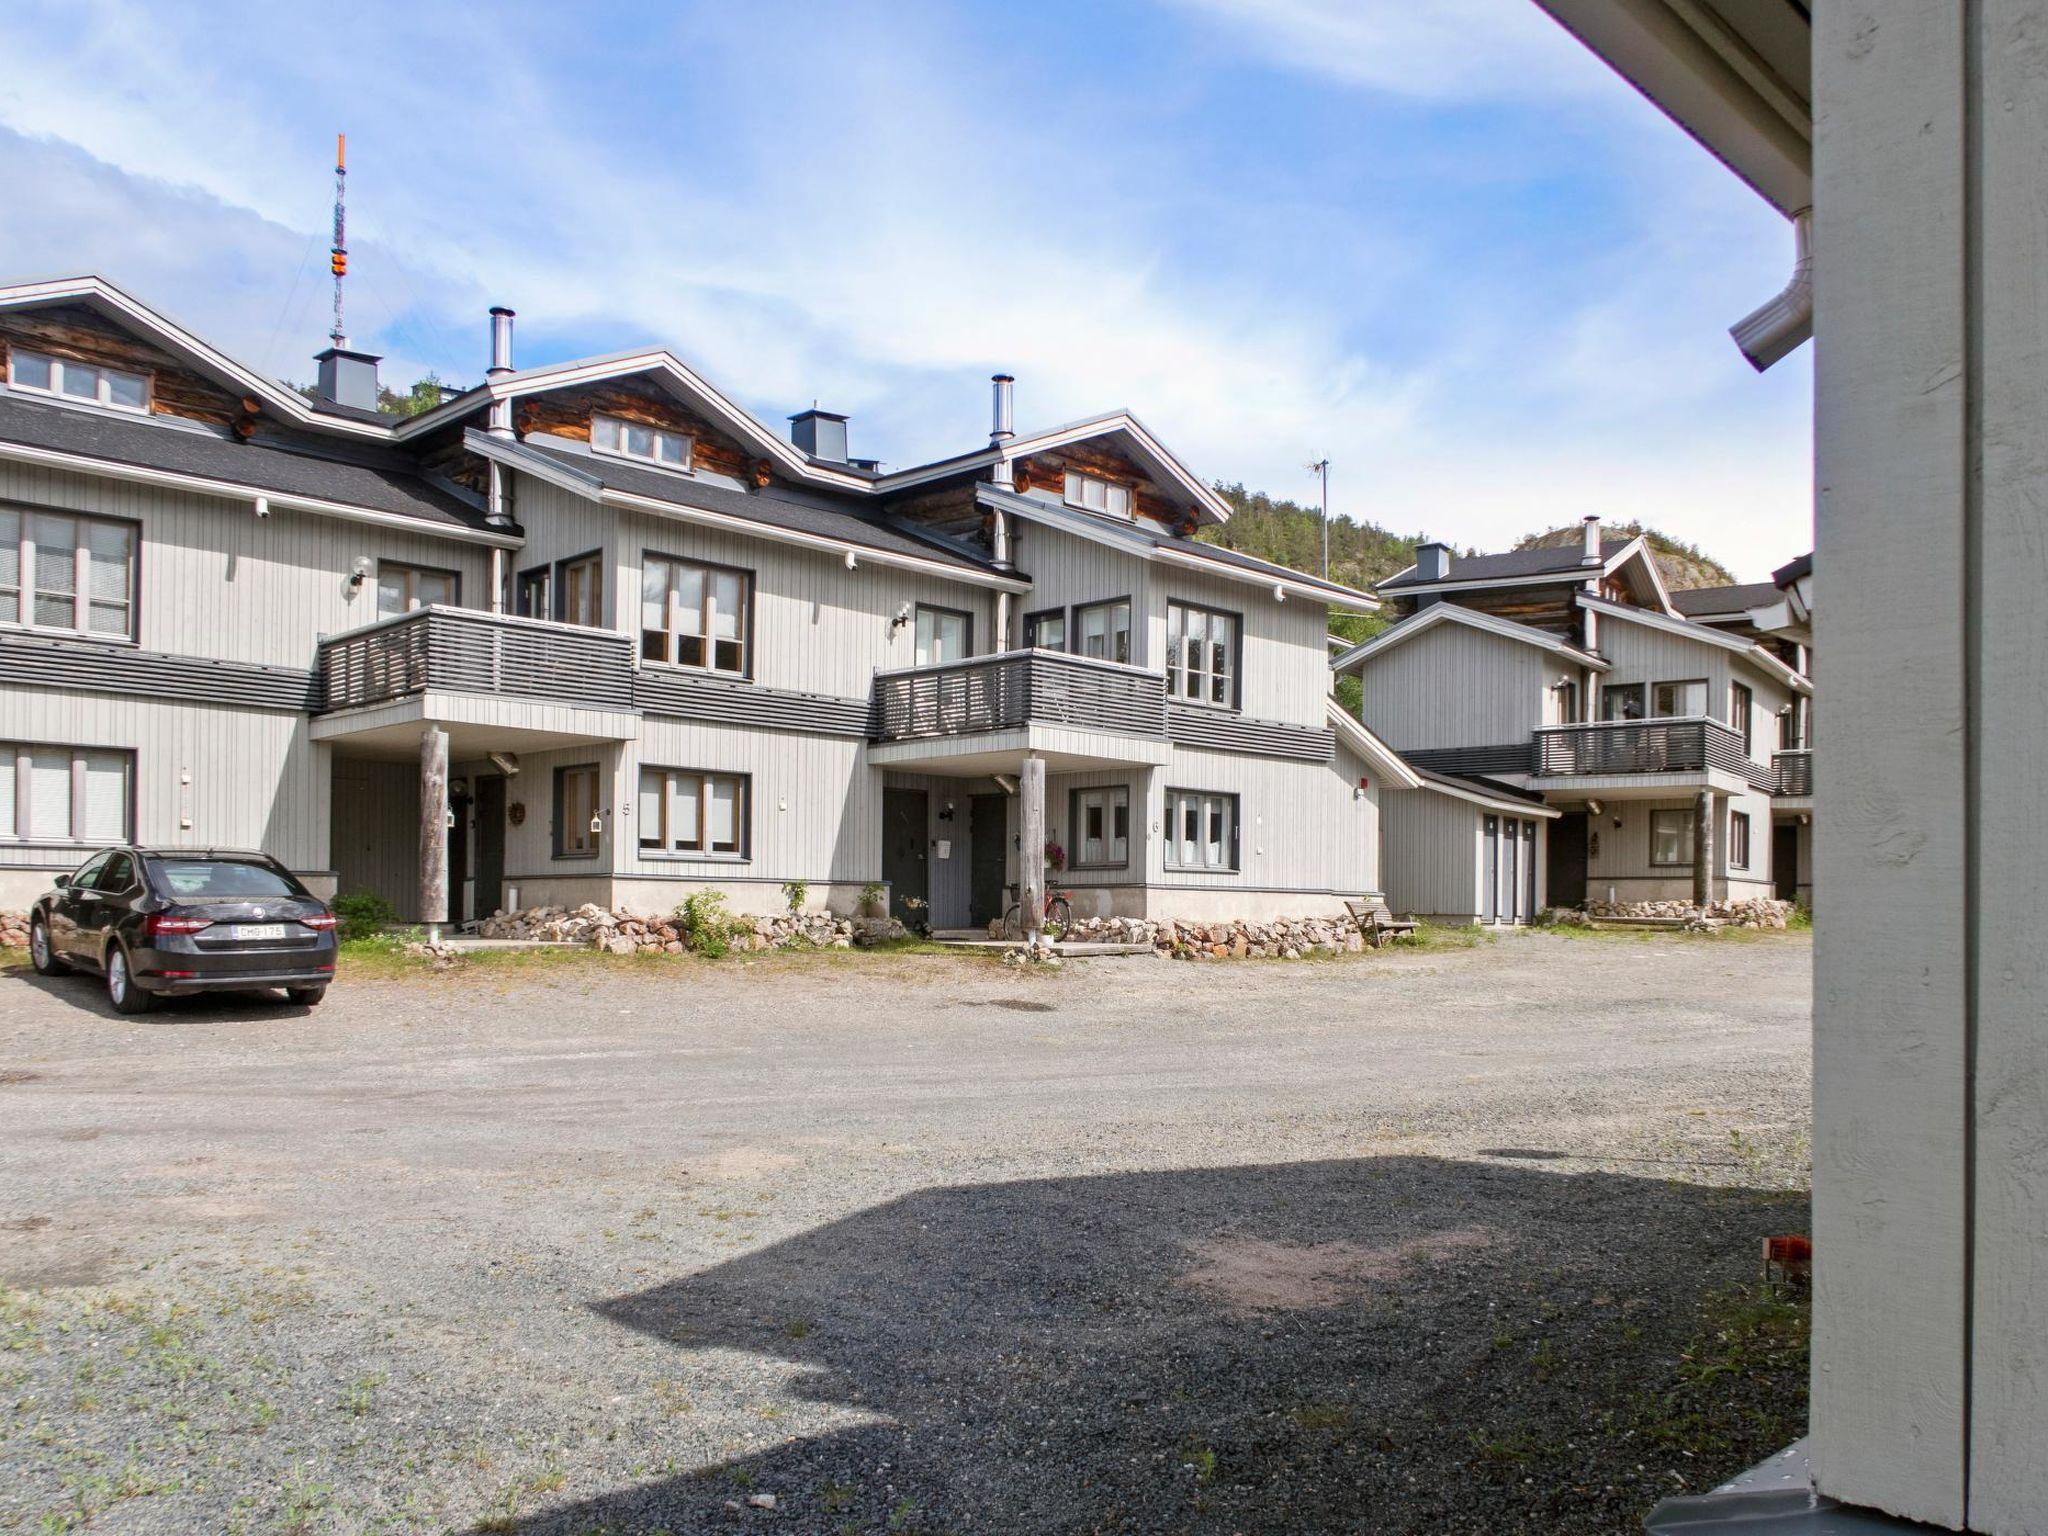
433, 830
1703, 849
1031, 816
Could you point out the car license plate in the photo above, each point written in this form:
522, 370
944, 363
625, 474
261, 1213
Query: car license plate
249, 932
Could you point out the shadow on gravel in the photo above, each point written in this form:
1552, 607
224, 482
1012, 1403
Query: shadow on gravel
1383, 1345
87, 993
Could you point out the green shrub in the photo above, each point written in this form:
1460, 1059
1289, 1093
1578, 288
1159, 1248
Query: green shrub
707, 927
873, 899
796, 893
362, 914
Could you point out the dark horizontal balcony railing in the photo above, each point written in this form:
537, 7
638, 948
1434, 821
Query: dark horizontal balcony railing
467, 651
1795, 771
1018, 688
1688, 745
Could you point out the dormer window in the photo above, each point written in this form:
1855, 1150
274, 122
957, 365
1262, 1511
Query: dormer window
1093, 495
633, 440
73, 380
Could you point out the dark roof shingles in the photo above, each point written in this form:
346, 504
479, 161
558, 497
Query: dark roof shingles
1694, 601
1544, 560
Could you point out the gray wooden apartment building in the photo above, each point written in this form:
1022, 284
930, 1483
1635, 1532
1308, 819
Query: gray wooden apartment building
1584, 734
668, 647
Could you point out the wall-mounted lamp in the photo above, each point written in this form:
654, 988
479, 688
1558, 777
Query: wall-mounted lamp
1593, 806
358, 574
596, 826
507, 762
1009, 784
852, 560
947, 813
902, 617
263, 506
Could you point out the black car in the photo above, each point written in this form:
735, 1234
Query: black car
171, 920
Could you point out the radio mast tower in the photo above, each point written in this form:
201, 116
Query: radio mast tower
338, 256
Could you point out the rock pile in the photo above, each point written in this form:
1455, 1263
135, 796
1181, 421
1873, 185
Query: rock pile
13, 930
1281, 939
1040, 953
624, 933
1761, 912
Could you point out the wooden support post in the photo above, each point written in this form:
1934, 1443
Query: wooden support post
1031, 871
1703, 849
434, 830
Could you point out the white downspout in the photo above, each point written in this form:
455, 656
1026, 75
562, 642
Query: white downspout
1002, 429
1780, 326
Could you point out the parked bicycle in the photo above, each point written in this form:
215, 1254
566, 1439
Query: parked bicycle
1056, 914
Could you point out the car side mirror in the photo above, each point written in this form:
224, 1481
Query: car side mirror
63, 880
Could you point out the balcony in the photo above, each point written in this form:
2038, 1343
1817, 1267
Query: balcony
1794, 769
1016, 691
1690, 745
463, 650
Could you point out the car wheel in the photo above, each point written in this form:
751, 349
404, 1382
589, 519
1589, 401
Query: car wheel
306, 997
122, 990
40, 953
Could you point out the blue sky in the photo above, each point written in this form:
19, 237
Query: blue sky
1435, 241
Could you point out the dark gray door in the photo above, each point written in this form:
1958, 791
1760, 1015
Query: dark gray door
1528, 871
1785, 861
1489, 889
906, 817
490, 845
458, 857
1567, 868
990, 834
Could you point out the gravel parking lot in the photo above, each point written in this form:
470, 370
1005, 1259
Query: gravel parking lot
901, 1243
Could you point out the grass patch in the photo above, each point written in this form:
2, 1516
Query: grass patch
1738, 1391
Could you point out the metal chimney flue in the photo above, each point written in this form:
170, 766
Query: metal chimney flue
1004, 423
500, 421
821, 434
1590, 553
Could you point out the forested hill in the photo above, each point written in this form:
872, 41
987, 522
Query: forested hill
1289, 534
1683, 566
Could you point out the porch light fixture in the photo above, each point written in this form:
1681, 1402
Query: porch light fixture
902, 617
596, 826
358, 574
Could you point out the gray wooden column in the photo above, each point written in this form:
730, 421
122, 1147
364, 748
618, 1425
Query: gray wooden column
1031, 812
1703, 848
433, 829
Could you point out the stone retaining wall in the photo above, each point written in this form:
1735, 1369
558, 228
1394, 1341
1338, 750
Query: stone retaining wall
1281, 939
13, 930
624, 933
1762, 912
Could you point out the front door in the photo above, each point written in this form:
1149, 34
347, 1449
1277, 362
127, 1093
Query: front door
989, 833
458, 856
905, 819
1785, 861
490, 845
1489, 890
1567, 869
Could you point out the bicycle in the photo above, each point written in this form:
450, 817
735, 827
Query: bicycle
1057, 913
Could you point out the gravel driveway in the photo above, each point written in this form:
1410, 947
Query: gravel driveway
901, 1243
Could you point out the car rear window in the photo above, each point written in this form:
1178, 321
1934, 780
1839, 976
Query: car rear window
211, 879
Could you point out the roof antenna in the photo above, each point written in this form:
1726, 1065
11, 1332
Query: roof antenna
338, 256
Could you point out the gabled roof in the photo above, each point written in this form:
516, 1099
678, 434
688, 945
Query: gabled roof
1541, 565
1451, 613
196, 458
1153, 455
1755, 654
775, 513
1149, 543
1377, 755
1487, 792
1724, 602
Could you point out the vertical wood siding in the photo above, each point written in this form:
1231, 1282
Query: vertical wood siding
1432, 853
1456, 687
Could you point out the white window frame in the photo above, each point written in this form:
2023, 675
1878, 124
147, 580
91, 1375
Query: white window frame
1092, 493
1112, 607
17, 804
412, 572
1747, 842
926, 634
25, 587
102, 377
1688, 683
1687, 840
1211, 855
613, 435
573, 836
669, 839
1742, 712
709, 612
1197, 685
1115, 851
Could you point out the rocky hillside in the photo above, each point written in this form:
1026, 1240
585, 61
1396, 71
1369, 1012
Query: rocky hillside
1683, 566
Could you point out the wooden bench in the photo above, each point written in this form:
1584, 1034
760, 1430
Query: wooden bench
1377, 924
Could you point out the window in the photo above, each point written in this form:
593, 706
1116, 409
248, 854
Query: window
1680, 699
201, 879
1564, 703
1093, 495
1201, 655
74, 380
1741, 705
695, 615
64, 794
1671, 837
402, 588
942, 635
1622, 701
577, 827
1201, 830
117, 874
1788, 729
633, 440
581, 583
1047, 630
1102, 827
1103, 630
535, 599
59, 571
1738, 840
685, 811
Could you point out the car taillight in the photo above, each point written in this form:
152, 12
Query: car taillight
321, 920
170, 922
